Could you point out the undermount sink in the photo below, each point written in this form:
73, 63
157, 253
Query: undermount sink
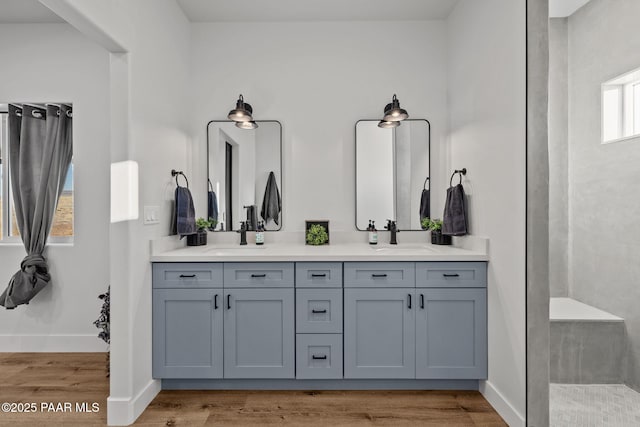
246, 248
399, 247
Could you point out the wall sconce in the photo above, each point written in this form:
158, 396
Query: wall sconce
124, 191
247, 125
242, 112
387, 124
393, 112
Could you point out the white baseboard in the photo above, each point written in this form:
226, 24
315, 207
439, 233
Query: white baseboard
52, 344
122, 411
508, 413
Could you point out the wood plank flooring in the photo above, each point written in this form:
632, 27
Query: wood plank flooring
80, 377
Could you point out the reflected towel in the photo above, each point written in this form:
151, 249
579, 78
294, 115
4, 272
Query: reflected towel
271, 203
454, 221
212, 205
185, 213
425, 205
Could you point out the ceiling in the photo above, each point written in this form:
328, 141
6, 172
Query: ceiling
26, 11
564, 8
315, 10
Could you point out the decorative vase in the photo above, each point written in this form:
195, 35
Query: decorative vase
437, 238
198, 239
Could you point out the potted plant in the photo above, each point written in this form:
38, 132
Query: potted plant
435, 226
317, 235
200, 237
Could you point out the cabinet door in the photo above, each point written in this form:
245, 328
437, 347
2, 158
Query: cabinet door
187, 333
379, 333
259, 333
451, 333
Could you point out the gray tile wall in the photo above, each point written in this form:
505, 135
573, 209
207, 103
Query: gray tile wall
604, 189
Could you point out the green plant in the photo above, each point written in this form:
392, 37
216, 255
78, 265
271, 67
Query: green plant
212, 224
203, 224
432, 224
317, 235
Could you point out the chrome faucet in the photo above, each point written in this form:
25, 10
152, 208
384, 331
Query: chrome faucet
393, 228
243, 233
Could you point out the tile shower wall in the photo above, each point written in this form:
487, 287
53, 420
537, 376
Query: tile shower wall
604, 237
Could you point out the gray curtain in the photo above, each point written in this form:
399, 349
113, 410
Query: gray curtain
40, 150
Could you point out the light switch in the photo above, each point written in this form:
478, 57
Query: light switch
151, 215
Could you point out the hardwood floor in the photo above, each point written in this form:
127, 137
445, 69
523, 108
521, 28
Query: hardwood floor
80, 377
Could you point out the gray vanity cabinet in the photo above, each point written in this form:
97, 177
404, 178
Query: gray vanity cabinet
451, 333
379, 333
259, 333
187, 333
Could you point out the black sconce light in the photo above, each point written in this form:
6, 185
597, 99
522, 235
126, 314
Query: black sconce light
247, 125
393, 112
387, 124
242, 112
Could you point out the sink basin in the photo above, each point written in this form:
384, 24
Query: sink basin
246, 248
400, 247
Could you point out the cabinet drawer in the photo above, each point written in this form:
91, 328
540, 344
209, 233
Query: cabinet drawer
318, 274
319, 311
258, 275
187, 275
451, 274
318, 356
379, 274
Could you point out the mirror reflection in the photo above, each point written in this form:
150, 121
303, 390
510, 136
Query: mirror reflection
392, 174
244, 171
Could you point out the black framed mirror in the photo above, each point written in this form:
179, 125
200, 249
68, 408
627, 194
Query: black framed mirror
244, 174
392, 173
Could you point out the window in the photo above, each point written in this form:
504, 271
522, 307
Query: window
621, 107
62, 227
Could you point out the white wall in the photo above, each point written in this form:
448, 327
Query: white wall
149, 85
487, 98
318, 79
48, 63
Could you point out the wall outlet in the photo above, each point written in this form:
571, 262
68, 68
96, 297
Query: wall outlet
151, 215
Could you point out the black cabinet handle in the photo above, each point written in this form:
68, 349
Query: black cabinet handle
215, 302
259, 275
184, 276
409, 301
323, 357
422, 301
319, 275
319, 311
379, 275
228, 301
451, 275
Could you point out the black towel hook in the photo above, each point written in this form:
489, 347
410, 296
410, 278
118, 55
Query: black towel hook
460, 172
210, 184
424, 186
176, 173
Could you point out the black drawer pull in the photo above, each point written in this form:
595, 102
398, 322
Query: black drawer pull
258, 275
379, 275
319, 275
215, 302
319, 311
229, 302
323, 357
422, 301
451, 275
185, 276
409, 302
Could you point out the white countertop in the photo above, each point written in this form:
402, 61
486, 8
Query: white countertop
332, 252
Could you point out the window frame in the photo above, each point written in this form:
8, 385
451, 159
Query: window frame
625, 84
6, 195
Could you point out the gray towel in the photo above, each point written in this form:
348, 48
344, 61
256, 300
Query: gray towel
271, 203
454, 221
185, 213
212, 205
425, 205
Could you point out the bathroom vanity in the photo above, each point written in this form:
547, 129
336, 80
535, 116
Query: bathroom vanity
340, 316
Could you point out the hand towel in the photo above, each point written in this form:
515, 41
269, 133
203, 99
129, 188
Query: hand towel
425, 205
212, 205
185, 213
454, 221
271, 203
